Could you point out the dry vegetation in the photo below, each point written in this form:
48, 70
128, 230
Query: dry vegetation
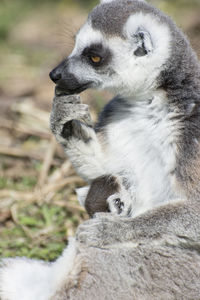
38, 205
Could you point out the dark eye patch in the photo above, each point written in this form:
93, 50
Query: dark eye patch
97, 50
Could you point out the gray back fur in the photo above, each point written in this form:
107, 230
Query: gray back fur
160, 261
156, 258
147, 272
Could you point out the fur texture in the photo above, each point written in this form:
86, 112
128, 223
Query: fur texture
148, 137
158, 259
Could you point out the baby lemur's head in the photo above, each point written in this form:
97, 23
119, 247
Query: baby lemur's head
105, 194
124, 46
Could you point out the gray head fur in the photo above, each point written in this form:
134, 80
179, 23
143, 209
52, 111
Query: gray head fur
111, 17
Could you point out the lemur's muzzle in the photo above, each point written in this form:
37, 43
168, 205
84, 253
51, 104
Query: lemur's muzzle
66, 82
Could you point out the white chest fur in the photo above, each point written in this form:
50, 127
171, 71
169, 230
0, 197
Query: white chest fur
143, 146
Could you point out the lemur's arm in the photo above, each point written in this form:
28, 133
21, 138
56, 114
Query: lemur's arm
179, 219
72, 126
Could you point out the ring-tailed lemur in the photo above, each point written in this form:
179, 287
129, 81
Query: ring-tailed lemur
150, 136
150, 132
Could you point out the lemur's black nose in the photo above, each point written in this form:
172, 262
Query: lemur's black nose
55, 75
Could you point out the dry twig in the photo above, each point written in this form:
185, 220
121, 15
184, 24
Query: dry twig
48, 158
17, 152
17, 126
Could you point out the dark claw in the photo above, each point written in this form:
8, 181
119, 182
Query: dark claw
74, 128
67, 130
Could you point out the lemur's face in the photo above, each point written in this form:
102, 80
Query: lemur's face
122, 47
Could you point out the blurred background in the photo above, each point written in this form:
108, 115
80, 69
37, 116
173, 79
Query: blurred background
38, 205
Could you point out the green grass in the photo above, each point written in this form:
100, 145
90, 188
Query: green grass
35, 230
20, 184
40, 232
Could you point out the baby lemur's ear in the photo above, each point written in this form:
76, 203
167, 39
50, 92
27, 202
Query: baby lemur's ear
82, 194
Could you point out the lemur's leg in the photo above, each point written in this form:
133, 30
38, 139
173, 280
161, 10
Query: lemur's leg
72, 126
178, 219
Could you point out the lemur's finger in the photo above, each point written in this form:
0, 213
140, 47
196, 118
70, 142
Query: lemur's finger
73, 99
63, 96
64, 112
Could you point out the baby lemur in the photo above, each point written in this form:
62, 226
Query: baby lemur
149, 134
105, 194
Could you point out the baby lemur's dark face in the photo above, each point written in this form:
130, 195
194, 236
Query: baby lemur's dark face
100, 190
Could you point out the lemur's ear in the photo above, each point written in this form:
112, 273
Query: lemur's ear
82, 194
143, 41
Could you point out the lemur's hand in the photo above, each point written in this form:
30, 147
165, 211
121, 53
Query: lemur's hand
103, 230
70, 119
72, 126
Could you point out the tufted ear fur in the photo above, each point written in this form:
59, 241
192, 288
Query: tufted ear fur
142, 39
147, 35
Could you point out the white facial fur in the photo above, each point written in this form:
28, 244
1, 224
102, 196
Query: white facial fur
147, 68
85, 37
136, 74
131, 73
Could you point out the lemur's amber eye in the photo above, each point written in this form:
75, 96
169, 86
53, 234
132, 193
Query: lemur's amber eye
95, 59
